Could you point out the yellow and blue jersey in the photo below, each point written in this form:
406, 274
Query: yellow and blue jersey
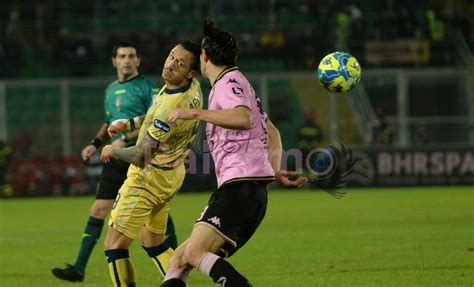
174, 141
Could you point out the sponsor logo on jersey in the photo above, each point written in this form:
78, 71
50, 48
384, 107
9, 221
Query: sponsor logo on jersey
161, 125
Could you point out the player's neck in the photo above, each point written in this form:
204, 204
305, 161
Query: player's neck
213, 72
183, 83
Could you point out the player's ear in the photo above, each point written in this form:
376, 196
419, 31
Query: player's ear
192, 74
114, 63
204, 56
138, 61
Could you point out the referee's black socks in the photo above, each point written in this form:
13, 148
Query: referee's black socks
89, 239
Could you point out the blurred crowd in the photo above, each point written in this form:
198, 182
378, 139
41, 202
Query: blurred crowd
74, 38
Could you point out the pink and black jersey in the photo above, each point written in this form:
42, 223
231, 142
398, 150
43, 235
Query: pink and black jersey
238, 154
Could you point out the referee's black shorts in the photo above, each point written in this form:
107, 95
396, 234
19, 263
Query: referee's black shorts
112, 177
235, 211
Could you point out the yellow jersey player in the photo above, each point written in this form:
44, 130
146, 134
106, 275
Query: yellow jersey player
157, 168
129, 96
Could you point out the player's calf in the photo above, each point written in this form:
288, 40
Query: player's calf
221, 271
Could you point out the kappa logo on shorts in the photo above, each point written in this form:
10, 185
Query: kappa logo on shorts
161, 125
215, 220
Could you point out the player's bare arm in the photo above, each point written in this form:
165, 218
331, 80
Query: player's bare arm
239, 118
123, 125
135, 154
128, 137
275, 149
100, 138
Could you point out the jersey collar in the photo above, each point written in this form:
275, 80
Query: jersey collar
223, 72
178, 90
131, 79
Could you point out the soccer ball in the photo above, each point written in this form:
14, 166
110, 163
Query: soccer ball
339, 72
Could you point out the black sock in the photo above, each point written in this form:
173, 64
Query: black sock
170, 236
89, 239
173, 282
224, 273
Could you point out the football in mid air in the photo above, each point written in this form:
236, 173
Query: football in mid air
339, 72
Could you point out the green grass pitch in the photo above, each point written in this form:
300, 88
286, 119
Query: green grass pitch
373, 237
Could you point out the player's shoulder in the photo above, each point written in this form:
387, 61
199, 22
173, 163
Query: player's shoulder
112, 86
233, 78
149, 82
142, 81
195, 87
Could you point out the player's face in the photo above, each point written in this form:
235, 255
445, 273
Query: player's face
177, 69
126, 61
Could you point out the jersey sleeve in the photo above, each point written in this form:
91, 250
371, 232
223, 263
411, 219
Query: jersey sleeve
160, 129
232, 94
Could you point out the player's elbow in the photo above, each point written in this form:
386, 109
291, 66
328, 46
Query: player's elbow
246, 121
247, 124
273, 132
138, 157
138, 160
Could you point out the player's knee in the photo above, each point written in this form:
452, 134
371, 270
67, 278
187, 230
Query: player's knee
99, 210
151, 240
108, 243
192, 255
177, 261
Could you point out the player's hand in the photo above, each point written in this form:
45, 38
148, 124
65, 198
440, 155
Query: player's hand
106, 155
88, 152
184, 114
117, 126
283, 178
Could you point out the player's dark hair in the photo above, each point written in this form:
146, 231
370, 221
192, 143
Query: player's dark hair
220, 45
124, 44
193, 48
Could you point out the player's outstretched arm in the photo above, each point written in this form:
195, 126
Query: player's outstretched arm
238, 118
125, 125
136, 154
275, 150
131, 136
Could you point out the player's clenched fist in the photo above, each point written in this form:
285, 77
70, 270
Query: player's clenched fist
185, 114
107, 151
117, 126
88, 152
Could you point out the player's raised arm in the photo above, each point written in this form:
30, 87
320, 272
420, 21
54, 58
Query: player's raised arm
100, 138
238, 118
124, 125
275, 150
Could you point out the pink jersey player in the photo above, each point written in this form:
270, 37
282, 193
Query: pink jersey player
238, 154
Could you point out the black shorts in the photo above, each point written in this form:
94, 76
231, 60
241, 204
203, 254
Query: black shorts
112, 177
235, 210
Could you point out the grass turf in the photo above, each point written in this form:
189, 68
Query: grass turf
373, 237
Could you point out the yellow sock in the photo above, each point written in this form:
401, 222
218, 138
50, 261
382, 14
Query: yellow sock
160, 255
121, 268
